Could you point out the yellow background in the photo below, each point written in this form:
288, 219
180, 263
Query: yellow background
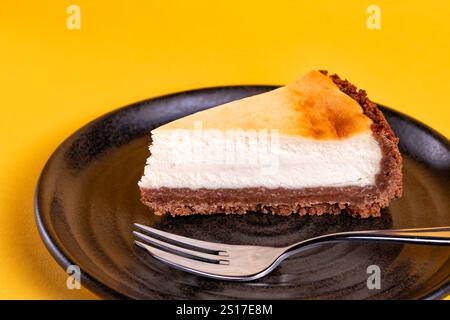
53, 80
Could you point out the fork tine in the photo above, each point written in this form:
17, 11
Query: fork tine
183, 263
198, 244
213, 258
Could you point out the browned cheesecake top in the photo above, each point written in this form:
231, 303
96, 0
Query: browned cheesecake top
312, 107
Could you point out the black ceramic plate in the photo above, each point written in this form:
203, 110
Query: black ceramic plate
87, 200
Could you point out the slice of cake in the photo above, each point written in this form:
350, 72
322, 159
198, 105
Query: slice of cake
317, 145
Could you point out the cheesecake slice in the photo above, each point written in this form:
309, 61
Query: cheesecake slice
317, 145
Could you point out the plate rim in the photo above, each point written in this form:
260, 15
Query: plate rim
104, 291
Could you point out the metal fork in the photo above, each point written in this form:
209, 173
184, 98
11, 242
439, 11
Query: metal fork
246, 263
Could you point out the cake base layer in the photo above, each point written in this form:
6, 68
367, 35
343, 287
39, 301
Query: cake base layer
359, 202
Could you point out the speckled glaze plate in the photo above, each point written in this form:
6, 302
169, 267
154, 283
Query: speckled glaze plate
87, 200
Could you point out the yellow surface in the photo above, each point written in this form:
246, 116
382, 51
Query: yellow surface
53, 80
311, 107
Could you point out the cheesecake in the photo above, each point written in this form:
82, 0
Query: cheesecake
315, 146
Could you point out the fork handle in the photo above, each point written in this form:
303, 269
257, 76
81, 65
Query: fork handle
424, 236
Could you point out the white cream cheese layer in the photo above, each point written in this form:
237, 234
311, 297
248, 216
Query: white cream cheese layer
182, 159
